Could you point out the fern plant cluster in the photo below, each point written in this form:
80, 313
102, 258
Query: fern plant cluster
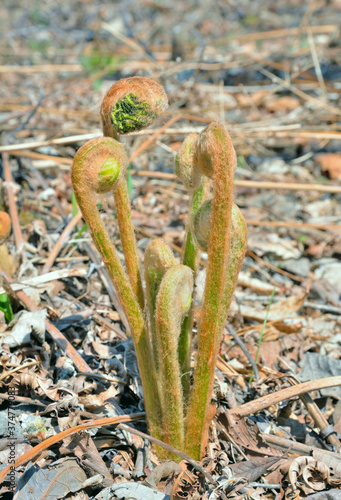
159, 303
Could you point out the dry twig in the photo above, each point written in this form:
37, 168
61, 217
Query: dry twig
290, 392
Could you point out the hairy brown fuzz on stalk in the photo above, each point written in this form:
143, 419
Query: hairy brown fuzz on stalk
97, 168
172, 303
216, 158
201, 231
214, 143
198, 186
158, 259
132, 104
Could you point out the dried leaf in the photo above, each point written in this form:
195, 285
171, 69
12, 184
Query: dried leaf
333, 462
308, 474
133, 491
253, 469
185, 484
247, 281
330, 270
330, 164
273, 244
278, 311
245, 432
316, 366
83, 447
163, 471
29, 324
285, 103
53, 481
326, 495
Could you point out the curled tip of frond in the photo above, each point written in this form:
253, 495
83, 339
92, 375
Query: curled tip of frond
5, 226
201, 224
214, 147
175, 293
158, 257
98, 165
132, 104
185, 168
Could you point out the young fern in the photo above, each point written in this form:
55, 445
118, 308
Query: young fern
160, 316
158, 259
173, 301
130, 105
185, 168
216, 158
198, 187
97, 168
201, 230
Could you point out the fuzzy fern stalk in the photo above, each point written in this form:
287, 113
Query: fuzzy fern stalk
172, 303
158, 259
198, 187
97, 168
201, 229
130, 105
216, 158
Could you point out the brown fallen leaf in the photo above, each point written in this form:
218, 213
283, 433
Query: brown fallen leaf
245, 433
56, 480
268, 353
253, 469
62, 435
279, 311
185, 484
285, 103
333, 462
161, 472
308, 474
82, 446
247, 281
255, 98
330, 164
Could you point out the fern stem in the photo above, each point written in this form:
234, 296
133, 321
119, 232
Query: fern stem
86, 184
126, 227
172, 303
216, 158
191, 259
